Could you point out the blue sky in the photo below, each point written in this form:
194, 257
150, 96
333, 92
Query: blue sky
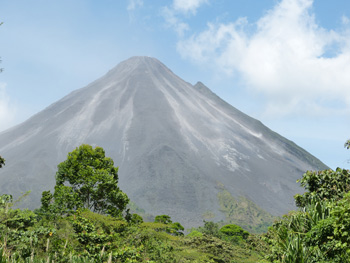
286, 62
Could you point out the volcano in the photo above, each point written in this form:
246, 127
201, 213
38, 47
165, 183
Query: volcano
179, 147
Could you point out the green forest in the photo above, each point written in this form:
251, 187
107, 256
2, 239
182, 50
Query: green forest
87, 218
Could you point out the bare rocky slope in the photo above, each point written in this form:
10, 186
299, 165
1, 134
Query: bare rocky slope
177, 145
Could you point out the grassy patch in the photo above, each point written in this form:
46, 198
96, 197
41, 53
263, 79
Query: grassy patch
244, 212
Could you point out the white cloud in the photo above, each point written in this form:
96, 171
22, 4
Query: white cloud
295, 63
345, 20
174, 22
186, 6
133, 4
173, 15
7, 111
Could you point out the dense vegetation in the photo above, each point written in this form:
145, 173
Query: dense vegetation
320, 230
86, 219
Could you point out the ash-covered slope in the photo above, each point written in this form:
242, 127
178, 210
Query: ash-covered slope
176, 145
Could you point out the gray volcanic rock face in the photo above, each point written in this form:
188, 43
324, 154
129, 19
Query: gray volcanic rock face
174, 144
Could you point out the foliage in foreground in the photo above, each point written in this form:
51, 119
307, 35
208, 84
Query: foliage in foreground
85, 236
320, 230
85, 220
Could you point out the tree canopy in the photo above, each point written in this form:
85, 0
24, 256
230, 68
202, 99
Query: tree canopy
323, 185
87, 179
236, 231
347, 144
173, 228
319, 230
2, 161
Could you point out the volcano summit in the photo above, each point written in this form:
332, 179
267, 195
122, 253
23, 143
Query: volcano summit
179, 147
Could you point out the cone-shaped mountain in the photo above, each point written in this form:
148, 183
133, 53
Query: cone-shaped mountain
177, 145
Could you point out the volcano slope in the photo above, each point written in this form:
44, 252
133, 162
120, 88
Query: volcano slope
181, 150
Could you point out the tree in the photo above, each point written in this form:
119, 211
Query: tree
234, 231
323, 185
211, 228
319, 231
136, 219
87, 179
2, 161
164, 219
347, 144
175, 229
